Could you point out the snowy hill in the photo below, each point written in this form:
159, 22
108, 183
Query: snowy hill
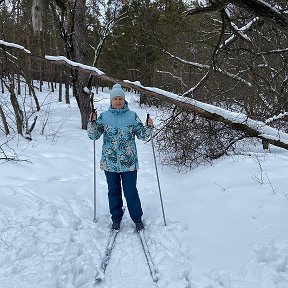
226, 223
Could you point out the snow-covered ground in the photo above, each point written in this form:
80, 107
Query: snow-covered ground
226, 223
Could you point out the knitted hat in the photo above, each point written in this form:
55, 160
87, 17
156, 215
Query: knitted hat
117, 91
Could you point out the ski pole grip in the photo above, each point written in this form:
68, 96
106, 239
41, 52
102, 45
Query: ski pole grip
93, 110
148, 116
91, 117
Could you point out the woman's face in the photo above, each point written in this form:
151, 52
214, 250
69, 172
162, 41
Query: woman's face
117, 102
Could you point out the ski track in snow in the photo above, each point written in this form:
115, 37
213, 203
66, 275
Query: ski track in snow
48, 245
48, 238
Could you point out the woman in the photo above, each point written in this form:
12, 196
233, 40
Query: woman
119, 160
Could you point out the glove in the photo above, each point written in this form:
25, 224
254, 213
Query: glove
93, 116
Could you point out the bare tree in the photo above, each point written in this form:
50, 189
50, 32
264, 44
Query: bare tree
4, 121
269, 10
232, 59
244, 69
18, 113
70, 19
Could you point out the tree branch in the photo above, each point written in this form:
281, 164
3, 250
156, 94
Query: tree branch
238, 121
258, 7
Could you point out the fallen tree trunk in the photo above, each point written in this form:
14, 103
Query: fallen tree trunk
238, 121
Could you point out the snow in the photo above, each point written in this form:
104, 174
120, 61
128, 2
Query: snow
74, 64
276, 117
260, 127
264, 3
9, 44
240, 30
226, 223
200, 3
234, 117
195, 64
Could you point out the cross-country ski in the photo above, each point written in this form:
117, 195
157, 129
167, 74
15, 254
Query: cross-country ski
153, 270
106, 258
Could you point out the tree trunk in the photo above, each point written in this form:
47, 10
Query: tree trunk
144, 79
43, 66
2, 86
18, 84
52, 86
237, 121
79, 79
3, 117
37, 13
17, 110
67, 98
32, 93
60, 88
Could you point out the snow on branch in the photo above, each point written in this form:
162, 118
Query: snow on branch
74, 64
239, 31
173, 76
238, 121
9, 44
235, 77
194, 64
265, 10
204, 66
258, 7
277, 117
198, 85
285, 50
198, 6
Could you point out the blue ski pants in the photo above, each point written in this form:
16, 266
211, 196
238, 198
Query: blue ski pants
128, 181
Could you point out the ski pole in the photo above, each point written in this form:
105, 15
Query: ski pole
94, 153
159, 187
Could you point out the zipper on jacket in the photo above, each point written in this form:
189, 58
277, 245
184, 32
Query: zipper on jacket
118, 159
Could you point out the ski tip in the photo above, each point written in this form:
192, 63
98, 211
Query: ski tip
100, 276
155, 277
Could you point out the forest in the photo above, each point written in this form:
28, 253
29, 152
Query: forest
215, 70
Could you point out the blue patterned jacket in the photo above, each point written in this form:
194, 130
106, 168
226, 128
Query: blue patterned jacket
119, 128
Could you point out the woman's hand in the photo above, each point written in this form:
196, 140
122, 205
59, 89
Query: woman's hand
149, 122
93, 116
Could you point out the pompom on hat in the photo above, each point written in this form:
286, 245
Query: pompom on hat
117, 91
